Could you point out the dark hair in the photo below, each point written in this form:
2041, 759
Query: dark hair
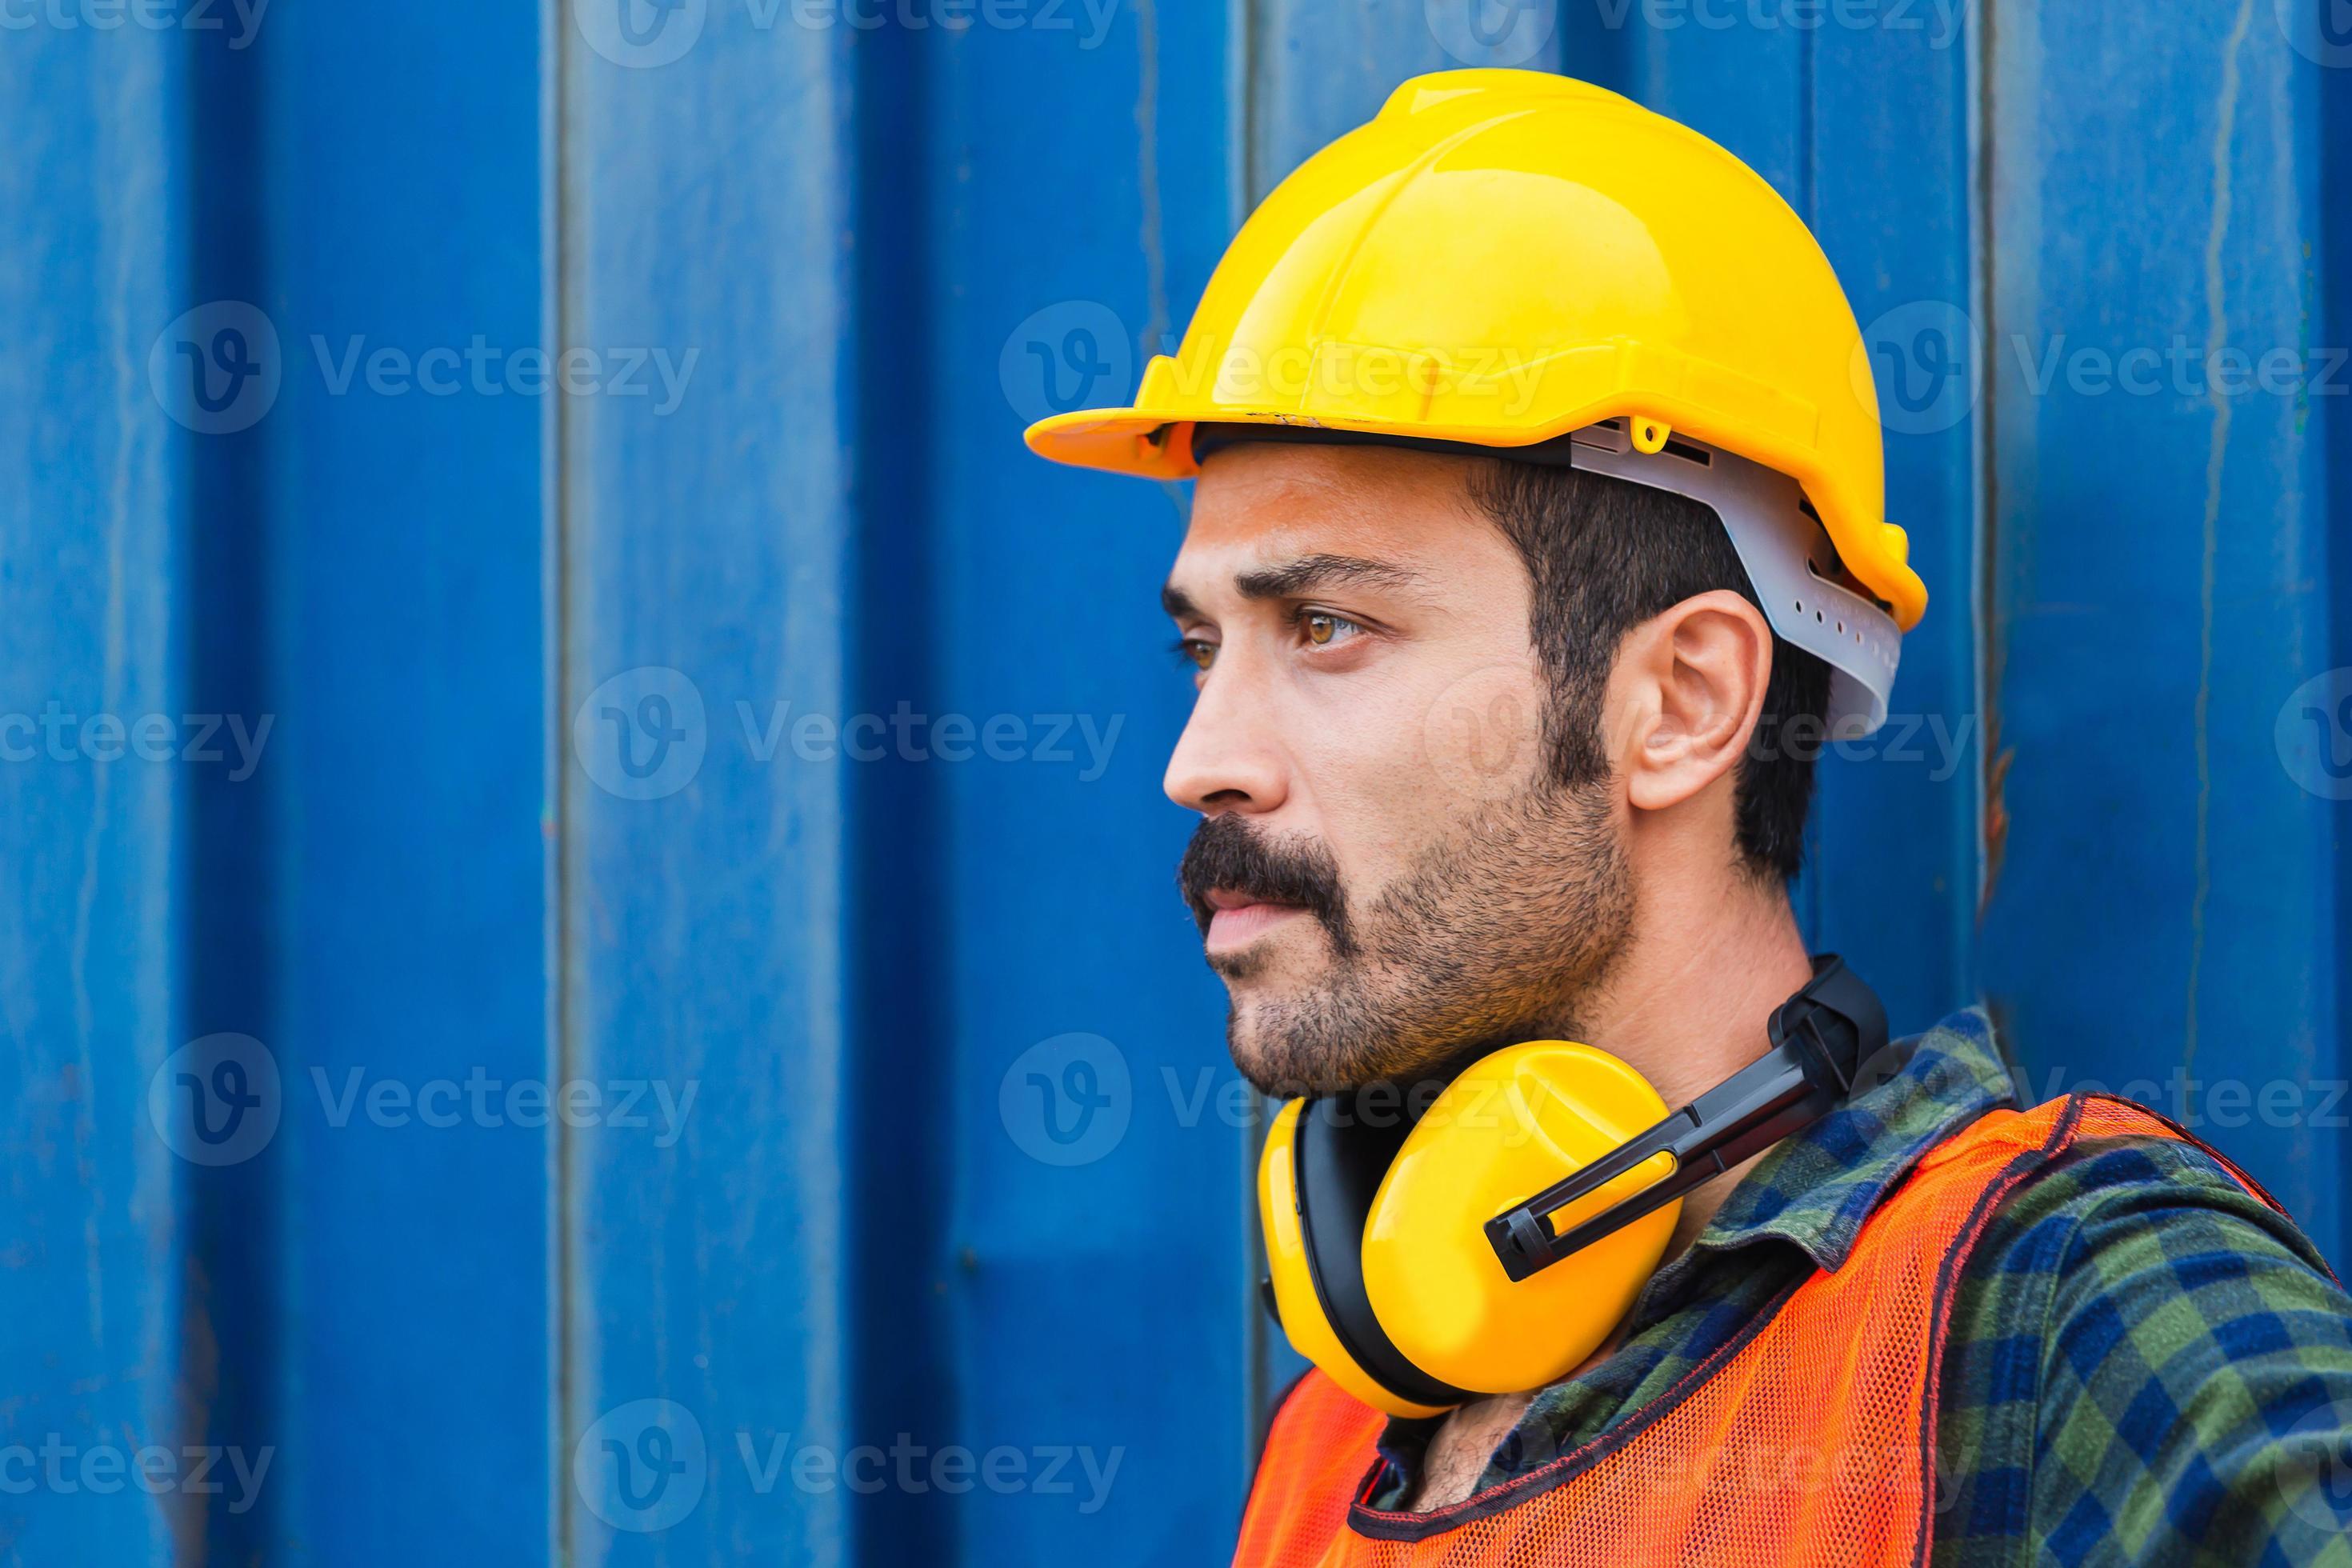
1606, 554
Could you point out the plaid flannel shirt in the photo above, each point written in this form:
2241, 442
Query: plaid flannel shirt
2146, 1364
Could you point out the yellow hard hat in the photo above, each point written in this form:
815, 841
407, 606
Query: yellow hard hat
1505, 257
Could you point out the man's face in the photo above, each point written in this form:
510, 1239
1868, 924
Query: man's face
1385, 875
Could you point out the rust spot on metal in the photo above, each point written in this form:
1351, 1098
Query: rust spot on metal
1996, 808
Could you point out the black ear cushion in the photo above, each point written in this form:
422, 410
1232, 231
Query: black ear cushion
1342, 1150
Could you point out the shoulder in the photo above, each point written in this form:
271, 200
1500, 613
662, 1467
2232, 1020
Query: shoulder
2110, 1205
2136, 1337
2123, 1230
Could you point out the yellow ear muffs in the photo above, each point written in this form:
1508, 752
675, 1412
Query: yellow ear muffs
1380, 1270
1513, 1123
1492, 1243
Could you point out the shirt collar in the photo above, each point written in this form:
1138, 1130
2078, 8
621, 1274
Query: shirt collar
1815, 1190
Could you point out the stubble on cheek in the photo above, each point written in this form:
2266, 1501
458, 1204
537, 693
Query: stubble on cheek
1501, 930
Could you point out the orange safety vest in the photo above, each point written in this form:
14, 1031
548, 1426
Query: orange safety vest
1808, 1439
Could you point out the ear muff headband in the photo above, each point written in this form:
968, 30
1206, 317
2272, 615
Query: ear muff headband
1819, 1038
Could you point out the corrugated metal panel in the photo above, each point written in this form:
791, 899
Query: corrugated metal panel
759, 723
271, 1331
708, 568
390, 176
2167, 575
92, 951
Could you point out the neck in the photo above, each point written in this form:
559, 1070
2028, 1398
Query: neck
1711, 955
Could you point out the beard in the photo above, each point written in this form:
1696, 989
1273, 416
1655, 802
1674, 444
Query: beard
1506, 929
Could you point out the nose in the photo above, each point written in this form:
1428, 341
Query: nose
1228, 758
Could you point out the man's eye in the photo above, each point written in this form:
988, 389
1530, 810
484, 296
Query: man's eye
1323, 629
1197, 652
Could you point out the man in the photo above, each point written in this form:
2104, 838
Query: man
1535, 546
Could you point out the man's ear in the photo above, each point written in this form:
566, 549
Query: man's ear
1686, 690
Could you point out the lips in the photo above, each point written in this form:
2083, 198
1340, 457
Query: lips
1240, 920
1241, 882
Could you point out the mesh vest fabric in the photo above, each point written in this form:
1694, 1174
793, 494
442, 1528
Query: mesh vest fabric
1810, 1439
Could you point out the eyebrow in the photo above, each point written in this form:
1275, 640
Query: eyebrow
1292, 578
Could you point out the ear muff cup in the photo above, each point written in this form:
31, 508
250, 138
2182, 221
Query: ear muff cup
1374, 1227
1341, 1150
1510, 1125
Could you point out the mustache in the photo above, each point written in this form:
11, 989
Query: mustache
1227, 853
